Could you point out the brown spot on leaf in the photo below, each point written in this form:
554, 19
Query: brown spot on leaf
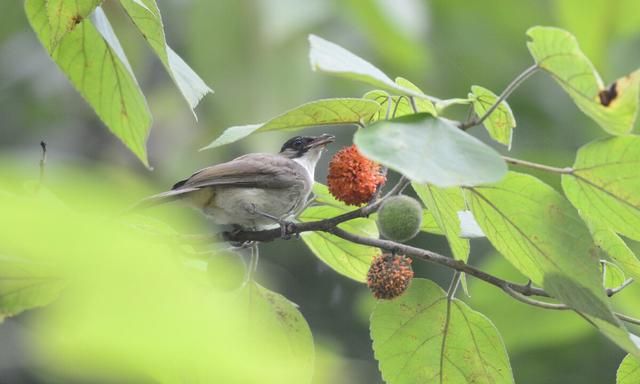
73, 21
608, 95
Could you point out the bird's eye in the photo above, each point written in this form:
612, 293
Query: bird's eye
297, 144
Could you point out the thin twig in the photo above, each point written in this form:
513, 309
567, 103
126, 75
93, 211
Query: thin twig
437, 258
43, 161
613, 291
541, 167
503, 96
453, 287
412, 101
564, 307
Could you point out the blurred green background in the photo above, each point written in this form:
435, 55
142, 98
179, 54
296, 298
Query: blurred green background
253, 53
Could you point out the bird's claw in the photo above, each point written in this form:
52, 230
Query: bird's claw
288, 229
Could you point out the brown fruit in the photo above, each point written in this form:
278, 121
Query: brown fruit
389, 275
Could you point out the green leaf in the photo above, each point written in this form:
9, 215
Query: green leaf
267, 310
331, 58
628, 371
400, 105
319, 112
323, 196
501, 122
540, 233
421, 337
613, 275
25, 284
617, 250
146, 16
614, 108
65, 15
93, 60
345, 257
422, 105
445, 204
430, 150
429, 223
605, 184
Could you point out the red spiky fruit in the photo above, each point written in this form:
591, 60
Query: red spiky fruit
353, 179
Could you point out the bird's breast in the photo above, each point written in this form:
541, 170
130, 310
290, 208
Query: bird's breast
239, 206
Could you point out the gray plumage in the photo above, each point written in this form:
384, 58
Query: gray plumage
245, 190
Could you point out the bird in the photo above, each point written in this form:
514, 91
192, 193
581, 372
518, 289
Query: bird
254, 191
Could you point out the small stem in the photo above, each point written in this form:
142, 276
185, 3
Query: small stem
389, 102
515, 83
412, 101
628, 319
453, 287
541, 167
395, 109
613, 291
43, 161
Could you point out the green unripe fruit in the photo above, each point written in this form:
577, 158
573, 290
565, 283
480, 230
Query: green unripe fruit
400, 218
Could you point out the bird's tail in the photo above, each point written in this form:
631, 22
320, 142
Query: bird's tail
158, 199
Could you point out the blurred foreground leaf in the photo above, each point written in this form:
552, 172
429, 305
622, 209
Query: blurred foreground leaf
133, 309
421, 337
26, 284
430, 150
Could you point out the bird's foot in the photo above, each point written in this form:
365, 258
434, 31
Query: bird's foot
287, 228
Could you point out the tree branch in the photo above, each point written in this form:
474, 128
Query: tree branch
520, 292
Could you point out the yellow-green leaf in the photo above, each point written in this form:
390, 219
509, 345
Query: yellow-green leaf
613, 107
319, 112
65, 15
444, 205
421, 337
605, 184
146, 16
347, 258
628, 371
500, 123
93, 60
540, 233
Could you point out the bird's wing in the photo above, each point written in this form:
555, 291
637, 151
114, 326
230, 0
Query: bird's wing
256, 170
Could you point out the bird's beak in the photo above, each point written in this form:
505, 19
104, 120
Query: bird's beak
321, 140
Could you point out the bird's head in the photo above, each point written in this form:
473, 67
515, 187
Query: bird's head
306, 150
304, 146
